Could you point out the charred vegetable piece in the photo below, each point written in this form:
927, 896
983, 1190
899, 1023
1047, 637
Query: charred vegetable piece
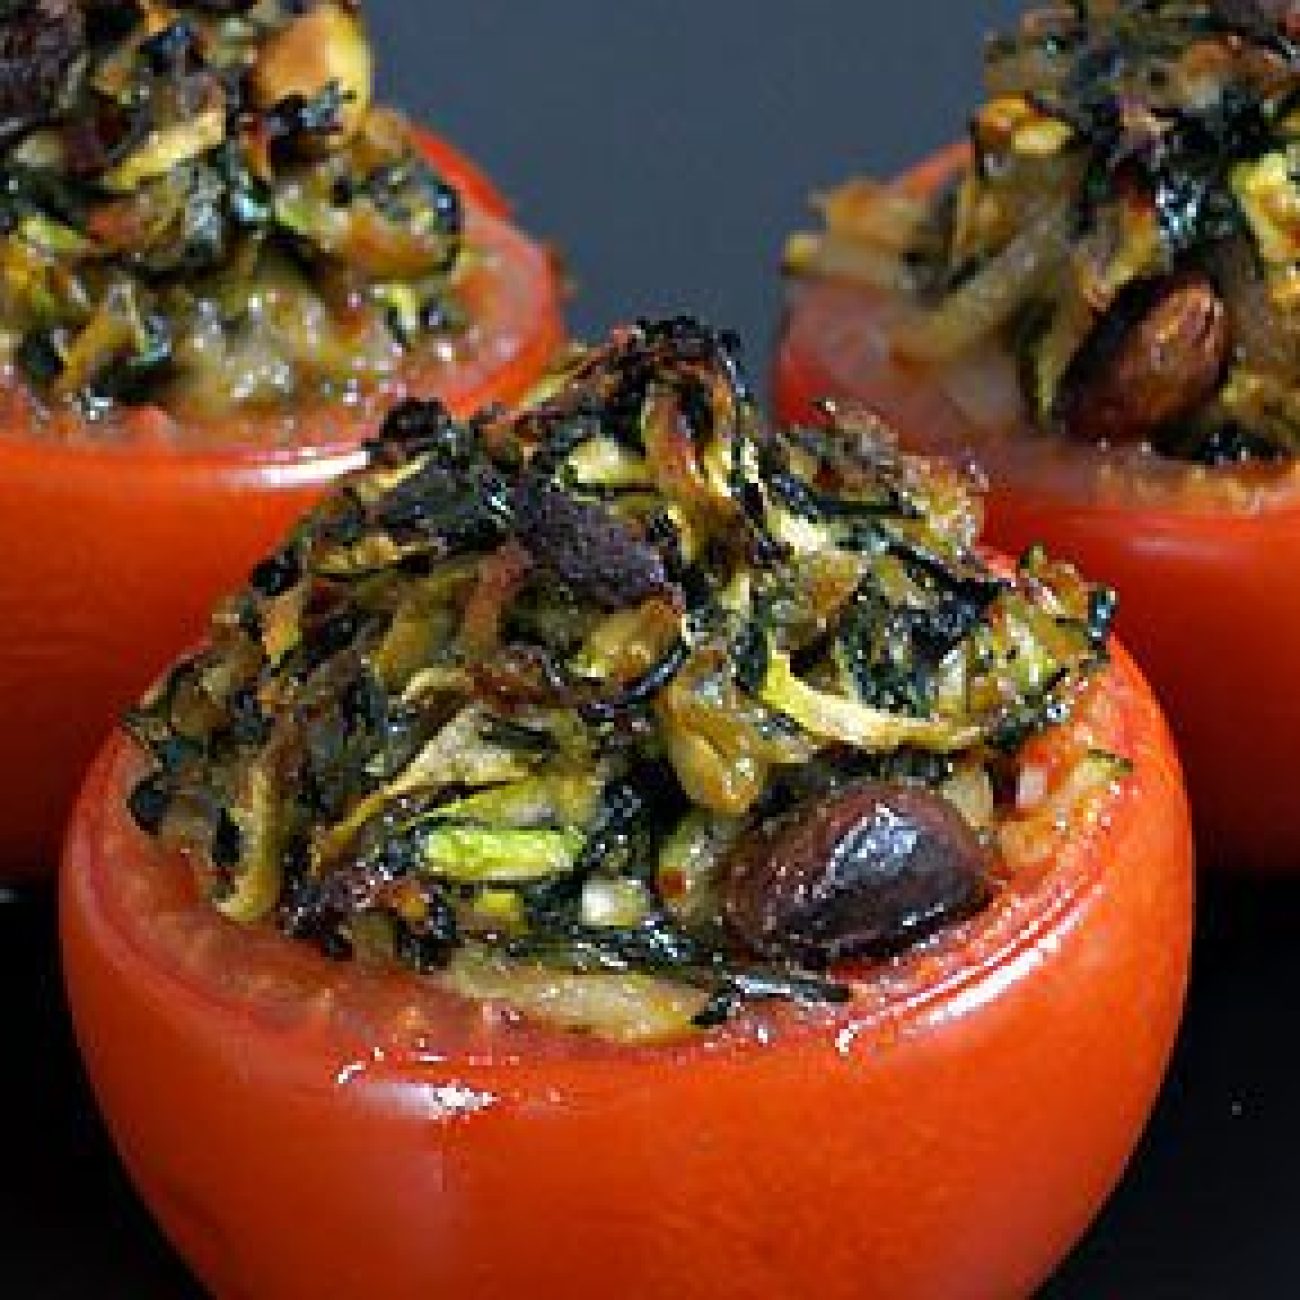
865, 874
223, 166
1128, 227
39, 43
589, 549
625, 705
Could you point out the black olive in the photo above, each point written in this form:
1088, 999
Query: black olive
865, 874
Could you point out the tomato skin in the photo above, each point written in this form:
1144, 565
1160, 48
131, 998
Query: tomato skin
949, 1141
113, 554
1208, 602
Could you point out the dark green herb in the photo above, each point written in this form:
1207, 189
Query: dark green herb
752, 648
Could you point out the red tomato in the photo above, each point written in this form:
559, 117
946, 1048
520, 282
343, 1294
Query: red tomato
312, 1131
114, 552
1202, 558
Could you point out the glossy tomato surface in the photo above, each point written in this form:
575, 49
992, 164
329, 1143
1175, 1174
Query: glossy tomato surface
116, 545
310, 1131
1203, 559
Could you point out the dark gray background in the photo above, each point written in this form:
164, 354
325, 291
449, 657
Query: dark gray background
668, 147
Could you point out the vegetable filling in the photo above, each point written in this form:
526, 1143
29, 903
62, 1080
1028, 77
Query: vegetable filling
201, 207
1126, 232
626, 700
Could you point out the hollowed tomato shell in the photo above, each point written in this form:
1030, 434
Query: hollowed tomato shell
113, 549
309, 1131
1204, 560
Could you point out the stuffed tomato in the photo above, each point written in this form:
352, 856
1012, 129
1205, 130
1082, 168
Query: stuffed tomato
624, 841
218, 260
1096, 301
